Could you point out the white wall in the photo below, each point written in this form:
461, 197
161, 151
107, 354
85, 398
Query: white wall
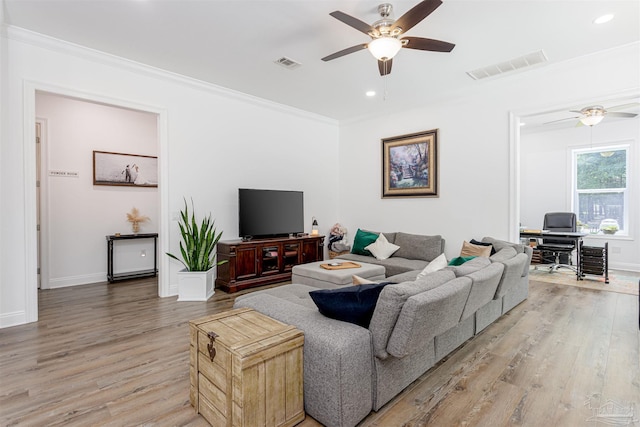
475, 188
546, 180
74, 207
215, 141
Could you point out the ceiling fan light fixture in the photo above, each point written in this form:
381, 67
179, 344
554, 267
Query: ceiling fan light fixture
384, 48
592, 119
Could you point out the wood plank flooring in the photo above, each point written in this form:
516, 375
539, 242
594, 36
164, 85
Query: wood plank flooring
117, 355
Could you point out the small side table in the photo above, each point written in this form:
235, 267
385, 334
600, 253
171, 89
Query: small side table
111, 277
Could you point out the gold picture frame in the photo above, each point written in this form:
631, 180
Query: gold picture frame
410, 165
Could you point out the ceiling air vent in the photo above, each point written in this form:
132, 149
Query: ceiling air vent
514, 64
288, 63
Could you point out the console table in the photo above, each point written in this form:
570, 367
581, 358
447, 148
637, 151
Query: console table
111, 277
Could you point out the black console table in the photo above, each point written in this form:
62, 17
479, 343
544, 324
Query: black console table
132, 274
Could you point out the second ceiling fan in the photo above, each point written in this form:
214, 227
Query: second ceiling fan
385, 34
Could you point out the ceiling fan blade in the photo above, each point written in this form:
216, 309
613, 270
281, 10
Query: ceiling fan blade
385, 67
427, 44
620, 114
344, 52
354, 22
562, 120
416, 14
623, 107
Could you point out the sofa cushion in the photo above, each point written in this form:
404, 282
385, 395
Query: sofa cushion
427, 315
480, 243
413, 246
390, 303
470, 266
469, 249
511, 275
362, 240
503, 254
353, 304
381, 248
483, 288
499, 244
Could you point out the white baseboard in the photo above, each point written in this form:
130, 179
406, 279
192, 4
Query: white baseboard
85, 279
624, 266
13, 319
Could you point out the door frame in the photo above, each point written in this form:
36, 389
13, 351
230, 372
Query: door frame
29, 128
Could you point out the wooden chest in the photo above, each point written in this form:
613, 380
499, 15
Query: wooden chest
246, 370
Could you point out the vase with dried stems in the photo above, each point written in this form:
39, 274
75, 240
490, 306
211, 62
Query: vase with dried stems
135, 218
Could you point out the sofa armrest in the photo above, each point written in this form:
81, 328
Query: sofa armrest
338, 360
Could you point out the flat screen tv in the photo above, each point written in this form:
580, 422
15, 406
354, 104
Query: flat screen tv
270, 213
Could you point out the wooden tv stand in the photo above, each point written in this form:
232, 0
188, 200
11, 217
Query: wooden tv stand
262, 261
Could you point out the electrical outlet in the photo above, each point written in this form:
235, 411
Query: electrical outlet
616, 249
175, 216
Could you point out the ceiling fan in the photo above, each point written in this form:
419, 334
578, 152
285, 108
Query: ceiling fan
385, 34
592, 115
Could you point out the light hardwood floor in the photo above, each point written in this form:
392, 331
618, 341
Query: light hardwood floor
118, 355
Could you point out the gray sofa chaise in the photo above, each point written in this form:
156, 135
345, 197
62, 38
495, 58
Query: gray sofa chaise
350, 370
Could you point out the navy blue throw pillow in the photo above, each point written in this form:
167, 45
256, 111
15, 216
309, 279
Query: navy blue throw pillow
353, 304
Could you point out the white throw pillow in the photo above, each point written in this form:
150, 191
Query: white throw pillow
437, 264
381, 248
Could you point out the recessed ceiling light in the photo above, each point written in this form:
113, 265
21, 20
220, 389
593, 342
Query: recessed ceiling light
370, 93
604, 18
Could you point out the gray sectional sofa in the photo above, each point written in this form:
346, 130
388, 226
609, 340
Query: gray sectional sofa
350, 370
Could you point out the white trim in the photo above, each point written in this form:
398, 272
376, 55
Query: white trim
30, 88
29, 194
64, 47
515, 144
514, 178
13, 319
45, 207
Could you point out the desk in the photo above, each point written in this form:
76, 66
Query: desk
568, 236
132, 274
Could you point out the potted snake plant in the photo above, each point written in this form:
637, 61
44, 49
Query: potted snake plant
195, 281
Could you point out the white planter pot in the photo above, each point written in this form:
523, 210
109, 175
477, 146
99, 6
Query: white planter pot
195, 285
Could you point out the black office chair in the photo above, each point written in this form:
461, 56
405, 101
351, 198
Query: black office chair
558, 252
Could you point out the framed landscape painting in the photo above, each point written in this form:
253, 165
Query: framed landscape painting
124, 169
410, 165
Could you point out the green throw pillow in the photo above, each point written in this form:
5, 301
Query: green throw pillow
461, 260
361, 241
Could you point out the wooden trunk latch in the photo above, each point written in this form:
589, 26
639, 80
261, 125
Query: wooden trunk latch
211, 346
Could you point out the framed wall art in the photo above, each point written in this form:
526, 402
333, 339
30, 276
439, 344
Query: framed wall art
410, 165
124, 169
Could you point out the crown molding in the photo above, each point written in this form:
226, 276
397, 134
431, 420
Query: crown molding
39, 40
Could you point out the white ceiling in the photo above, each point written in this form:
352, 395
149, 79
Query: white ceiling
234, 43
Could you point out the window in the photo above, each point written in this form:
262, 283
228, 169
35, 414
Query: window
600, 189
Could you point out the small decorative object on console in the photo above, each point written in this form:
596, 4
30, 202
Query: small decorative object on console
135, 219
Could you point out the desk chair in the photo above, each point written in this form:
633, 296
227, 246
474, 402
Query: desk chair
558, 252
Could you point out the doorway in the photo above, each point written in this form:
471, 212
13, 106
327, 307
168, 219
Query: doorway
32, 199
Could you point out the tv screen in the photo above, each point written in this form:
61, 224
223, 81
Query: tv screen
270, 213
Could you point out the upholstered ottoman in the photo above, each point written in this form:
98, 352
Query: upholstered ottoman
312, 274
